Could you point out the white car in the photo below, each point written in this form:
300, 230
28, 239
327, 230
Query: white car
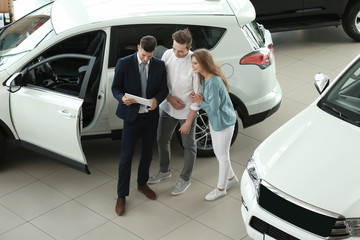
57, 66
301, 182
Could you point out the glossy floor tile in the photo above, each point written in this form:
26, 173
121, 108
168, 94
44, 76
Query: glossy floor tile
43, 199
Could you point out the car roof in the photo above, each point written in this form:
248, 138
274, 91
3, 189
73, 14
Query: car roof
67, 14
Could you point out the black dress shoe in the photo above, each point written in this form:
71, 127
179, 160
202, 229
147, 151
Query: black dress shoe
120, 206
147, 191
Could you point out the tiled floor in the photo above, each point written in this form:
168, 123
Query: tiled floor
41, 199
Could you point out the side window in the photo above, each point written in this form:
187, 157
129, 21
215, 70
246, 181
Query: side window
124, 39
206, 37
65, 74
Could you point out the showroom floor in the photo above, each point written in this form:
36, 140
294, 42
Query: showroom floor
42, 199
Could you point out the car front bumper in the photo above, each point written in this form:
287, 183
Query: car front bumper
261, 224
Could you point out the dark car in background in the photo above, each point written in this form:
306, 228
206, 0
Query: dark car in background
284, 15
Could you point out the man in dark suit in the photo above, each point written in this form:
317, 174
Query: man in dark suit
141, 75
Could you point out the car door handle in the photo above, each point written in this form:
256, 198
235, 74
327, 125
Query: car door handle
67, 114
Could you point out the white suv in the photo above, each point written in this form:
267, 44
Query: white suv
57, 66
301, 182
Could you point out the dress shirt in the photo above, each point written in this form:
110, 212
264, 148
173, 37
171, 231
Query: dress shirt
181, 81
143, 108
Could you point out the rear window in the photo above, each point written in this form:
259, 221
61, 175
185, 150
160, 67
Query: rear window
124, 39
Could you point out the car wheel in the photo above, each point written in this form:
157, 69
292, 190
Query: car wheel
203, 137
351, 20
2, 148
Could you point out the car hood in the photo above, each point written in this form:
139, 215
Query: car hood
315, 157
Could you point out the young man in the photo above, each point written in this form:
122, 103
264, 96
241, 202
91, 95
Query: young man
178, 108
141, 75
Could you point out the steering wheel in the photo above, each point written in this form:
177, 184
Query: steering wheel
46, 68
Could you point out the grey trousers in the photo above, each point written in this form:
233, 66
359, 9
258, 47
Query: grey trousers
166, 128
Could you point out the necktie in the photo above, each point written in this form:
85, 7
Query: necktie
143, 79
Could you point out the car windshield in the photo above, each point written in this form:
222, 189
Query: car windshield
24, 35
343, 99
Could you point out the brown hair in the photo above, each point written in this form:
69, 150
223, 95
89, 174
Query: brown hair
148, 43
208, 63
183, 37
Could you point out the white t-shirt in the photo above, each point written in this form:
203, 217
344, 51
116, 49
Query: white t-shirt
181, 81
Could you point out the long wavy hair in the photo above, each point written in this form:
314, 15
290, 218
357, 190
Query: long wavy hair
207, 62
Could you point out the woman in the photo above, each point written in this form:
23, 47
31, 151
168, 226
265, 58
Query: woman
215, 101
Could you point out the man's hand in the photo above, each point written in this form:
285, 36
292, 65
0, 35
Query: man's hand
154, 104
128, 101
177, 103
185, 128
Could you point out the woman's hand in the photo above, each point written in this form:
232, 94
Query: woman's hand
198, 98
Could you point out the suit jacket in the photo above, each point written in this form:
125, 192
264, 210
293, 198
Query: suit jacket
127, 80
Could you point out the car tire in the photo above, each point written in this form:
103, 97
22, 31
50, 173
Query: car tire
203, 137
2, 148
351, 20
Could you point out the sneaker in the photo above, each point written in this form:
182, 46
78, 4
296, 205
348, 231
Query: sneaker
215, 194
158, 177
231, 183
180, 187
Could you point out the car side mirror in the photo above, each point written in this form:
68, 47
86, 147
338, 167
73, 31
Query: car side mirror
14, 82
321, 82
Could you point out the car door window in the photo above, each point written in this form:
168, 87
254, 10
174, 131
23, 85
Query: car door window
66, 73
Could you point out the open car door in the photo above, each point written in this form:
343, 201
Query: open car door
46, 106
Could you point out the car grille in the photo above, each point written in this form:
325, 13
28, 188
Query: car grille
317, 221
270, 230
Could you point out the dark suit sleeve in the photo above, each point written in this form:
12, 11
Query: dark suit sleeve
118, 83
163, 88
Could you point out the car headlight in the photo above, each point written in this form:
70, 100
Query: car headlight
353, 226
348, 227
251, 169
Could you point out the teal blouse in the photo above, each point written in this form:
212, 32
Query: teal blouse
217, 103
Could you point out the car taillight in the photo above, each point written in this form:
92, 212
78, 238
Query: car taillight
261, 57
